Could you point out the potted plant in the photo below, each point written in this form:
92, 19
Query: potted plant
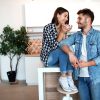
13, 43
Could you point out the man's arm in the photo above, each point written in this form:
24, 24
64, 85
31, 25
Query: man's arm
86, 64
65, 46
73, 59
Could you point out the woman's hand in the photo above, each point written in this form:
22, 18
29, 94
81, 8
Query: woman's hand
66, 28
62, 30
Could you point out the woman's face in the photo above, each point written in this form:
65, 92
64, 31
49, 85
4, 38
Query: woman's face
62, 18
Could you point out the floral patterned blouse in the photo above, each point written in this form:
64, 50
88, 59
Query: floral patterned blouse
49, 42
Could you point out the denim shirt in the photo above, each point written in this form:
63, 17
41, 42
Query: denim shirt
93, 50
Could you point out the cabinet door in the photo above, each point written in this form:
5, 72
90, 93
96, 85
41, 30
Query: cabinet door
31, 69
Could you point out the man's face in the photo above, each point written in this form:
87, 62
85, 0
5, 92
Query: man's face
82, 21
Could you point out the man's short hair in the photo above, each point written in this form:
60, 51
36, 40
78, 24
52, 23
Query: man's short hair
87, 12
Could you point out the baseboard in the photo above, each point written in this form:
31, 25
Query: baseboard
20, 82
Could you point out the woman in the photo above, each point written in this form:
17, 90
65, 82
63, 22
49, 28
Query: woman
51, 54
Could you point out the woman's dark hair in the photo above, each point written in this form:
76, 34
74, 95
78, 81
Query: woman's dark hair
59, 10
87, 12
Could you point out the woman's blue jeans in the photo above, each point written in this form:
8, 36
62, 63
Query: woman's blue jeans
58, 57
88, 89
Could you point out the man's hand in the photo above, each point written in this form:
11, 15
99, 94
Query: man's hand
73, 59
86, 63
83, 64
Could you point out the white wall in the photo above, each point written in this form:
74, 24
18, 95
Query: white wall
12, 13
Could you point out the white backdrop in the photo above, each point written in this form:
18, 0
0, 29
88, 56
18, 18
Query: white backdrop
39, 13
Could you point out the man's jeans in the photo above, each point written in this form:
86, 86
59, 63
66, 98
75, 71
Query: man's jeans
88, 89
58, 57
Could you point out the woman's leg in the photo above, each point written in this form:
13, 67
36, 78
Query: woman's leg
65, 66
64, 63
54, 60
58, 57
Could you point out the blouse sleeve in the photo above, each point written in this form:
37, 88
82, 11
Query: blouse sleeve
50, 37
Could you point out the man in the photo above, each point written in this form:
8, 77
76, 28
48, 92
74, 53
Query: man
86, 59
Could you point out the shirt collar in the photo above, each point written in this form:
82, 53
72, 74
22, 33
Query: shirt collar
89, 32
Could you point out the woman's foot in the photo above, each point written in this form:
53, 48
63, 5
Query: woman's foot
64, 84
71, 84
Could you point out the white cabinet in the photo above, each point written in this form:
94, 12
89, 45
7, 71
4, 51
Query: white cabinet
31, 69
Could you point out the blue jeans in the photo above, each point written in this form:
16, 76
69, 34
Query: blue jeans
88, 89
58, 57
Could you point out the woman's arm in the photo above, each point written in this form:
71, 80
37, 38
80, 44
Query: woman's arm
50, 36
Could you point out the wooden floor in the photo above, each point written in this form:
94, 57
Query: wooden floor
18, 92
21, 91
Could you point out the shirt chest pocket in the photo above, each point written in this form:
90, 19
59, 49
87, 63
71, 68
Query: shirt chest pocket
77, 45
93, 46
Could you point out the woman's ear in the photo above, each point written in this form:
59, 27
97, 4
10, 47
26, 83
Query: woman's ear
58, 15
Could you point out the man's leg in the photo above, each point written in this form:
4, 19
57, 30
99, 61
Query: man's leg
95, 90
84, 88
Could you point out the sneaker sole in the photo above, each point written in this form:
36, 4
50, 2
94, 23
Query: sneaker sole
65, 89
74, 90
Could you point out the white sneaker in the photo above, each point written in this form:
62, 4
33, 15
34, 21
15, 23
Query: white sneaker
64, 84
71, 84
